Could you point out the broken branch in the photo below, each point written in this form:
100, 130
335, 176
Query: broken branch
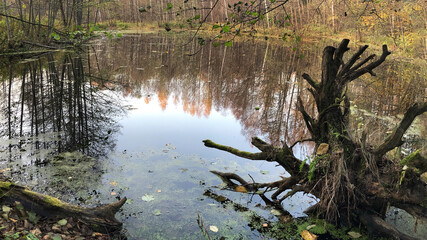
395, 139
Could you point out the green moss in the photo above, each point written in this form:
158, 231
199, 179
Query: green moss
49, 199
318, 229
54, 201
5, 185
408, 160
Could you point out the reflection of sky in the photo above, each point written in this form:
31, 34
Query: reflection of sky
147, 125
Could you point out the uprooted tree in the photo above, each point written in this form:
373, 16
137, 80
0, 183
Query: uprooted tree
353, 181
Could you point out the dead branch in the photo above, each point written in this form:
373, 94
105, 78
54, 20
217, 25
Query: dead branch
261, 145
237, 152
309, 122
99, 218
287, 184
352, 61
395, 139
354, 74
228, 177
310, 81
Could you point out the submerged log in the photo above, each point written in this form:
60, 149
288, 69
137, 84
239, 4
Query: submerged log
100, 219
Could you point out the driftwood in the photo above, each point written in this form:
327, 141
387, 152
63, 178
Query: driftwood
353, 181
100, 218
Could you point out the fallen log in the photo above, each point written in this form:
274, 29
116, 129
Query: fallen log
100, 219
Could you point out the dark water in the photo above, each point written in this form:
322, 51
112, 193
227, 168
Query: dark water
127, 118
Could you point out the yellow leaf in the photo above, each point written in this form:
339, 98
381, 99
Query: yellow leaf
113, 183
308, 235
24, 6
13, 220
241, 189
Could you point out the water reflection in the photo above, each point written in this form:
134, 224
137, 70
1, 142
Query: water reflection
257, 82
91, 116
53, 94
50, 107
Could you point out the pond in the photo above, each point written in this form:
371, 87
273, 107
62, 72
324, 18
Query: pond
126, 118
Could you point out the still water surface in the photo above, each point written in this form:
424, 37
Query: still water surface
127, 118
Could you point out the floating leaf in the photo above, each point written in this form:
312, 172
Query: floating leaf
264, 172
62, 222
147, 198
113, 183
159, 190
156, 212
213, 228
241, 189
113, 194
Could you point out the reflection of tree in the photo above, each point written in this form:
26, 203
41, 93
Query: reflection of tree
50, 94
238, 78
242, 79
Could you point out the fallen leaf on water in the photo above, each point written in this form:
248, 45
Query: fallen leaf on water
147, 198
113, 183
308, 235
241, 189
156, 212
213, 228
264, 172
159, 191
265, 225
113, 193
